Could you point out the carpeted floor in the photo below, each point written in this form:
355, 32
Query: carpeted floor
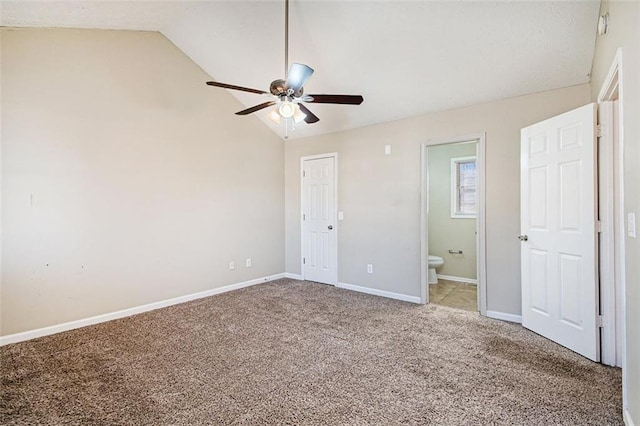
291, 352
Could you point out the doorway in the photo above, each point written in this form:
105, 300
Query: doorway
452, 223
611, 215
319, 225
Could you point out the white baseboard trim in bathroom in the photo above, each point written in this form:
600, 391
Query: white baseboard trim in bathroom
58, 328
459, 279
293, 276
504, 317
383, 293
627, 418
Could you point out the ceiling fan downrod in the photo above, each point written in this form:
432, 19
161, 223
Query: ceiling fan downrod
286, 38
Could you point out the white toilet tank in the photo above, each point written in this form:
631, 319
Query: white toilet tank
435, 261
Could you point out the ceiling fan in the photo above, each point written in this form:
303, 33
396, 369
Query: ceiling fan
289, 93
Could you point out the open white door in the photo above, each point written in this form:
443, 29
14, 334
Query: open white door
558, 224
319, 249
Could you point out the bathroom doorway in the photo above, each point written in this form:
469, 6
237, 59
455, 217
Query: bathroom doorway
453, 223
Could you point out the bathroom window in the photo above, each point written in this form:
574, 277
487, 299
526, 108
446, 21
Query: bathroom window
463, 187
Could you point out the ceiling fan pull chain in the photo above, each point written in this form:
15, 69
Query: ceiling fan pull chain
286, 128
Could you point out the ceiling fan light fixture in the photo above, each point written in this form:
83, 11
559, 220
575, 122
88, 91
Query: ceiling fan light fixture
274, 115
299, 116
288, 109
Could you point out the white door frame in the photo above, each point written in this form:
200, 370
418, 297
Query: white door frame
334, 248
480, 219
613, 240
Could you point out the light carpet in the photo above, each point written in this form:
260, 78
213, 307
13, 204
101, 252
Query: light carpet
291, 352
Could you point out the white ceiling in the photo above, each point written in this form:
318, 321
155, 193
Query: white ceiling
405, 58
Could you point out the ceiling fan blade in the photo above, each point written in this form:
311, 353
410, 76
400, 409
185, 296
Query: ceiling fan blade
336, 99
297, 77
231, 86
310, 117
256, 108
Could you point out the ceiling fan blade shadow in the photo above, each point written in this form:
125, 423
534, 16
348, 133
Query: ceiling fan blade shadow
231, 86
298, 76
256, 108
310, 117
336, 99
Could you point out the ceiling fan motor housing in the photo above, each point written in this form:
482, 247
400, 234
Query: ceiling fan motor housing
277, 87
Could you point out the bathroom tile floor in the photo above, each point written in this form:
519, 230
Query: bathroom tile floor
454, 294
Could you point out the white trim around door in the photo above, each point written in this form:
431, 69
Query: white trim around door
612, 272
480, 139
333, 244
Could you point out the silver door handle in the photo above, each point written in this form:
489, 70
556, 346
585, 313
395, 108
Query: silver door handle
330, 227
523, 237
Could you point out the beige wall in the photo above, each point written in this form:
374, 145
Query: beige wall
445, 232
125, 179
380, 194
624, 32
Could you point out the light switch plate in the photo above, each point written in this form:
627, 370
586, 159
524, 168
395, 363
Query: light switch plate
387, 149
631, 225
340, 215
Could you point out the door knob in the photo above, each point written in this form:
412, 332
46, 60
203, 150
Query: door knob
330, 227
523, 237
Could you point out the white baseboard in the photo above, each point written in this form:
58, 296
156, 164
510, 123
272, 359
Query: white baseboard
459, 279
376, 292
504, 317
293, 276
58, 328
627, 418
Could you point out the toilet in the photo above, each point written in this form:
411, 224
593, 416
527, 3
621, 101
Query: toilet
434, 262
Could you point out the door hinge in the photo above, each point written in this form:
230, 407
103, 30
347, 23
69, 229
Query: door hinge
304, 216
599, 130
304, 173
598, 226
304, 260
600, 321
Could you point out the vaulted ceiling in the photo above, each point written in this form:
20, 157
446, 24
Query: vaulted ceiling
405, 58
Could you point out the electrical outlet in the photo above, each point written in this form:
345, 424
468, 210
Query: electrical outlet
248, 262
369, 269
232, 265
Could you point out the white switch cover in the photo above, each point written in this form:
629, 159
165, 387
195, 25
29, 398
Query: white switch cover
631, 225
232, 265
248, 263
387, 149
340, 215
370, 269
